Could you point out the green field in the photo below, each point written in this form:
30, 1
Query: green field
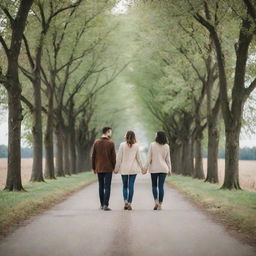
237, 208
17, 206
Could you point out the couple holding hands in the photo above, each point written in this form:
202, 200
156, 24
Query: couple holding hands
128, 163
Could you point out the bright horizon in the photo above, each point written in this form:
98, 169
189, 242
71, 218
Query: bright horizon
245, 141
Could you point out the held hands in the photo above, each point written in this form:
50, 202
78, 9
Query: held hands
144, 171
94, 171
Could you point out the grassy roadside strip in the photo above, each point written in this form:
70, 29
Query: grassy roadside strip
18, 206
235, 209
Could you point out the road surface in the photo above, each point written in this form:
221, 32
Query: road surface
76, 227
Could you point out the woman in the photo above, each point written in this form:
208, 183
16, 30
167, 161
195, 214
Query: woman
128, 164
159, 165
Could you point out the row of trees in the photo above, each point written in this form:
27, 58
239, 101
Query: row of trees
245, 153
192, 64
25, 152
55, 65
195, 71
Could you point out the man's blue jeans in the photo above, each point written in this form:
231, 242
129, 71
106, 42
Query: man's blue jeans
128, 186
158, 185
104, 179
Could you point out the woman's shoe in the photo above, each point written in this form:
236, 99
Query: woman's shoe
159, 207
129, 207
126, 206
156, 205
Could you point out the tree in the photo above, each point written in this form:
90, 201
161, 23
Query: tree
176, 96
12, 84
45, 19
232, 108
73, 75
207, 76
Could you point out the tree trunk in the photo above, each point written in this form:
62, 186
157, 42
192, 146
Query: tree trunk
72, 149
199, 170
213, 114
213, 152
176, 158
88, 165
72, 137
13, 181
187, 157
65, 144
59, 153
84, 141
81, 160
231, 180
187, 147
37, 169
48, 140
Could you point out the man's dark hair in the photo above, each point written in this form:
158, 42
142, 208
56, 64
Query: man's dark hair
106, 129
161, 137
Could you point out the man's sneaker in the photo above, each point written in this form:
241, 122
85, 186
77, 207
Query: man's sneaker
159, 207
106, 208
101, 207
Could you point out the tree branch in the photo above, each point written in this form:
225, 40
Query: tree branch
202, 78
27, 102
31, 62
221, 63
204, 22
27, 73
7, 13
6, 49
251, 87
63, 9
250, 8
44, 77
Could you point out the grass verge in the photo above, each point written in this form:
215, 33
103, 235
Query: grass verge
18, 206
236, 209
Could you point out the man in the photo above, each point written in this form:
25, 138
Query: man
103, 164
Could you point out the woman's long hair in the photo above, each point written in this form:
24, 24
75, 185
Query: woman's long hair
161, 138
130, 138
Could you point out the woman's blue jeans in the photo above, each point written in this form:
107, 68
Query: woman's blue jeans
128, 186
158, 185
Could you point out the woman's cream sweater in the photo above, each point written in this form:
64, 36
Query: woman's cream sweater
128, 159
158, 159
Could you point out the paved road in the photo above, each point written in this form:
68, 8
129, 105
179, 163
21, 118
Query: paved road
76, 227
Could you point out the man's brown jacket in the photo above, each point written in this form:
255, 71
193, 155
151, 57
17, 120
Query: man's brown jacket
103, 155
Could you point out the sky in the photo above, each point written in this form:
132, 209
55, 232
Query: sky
4, 130
121, 7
